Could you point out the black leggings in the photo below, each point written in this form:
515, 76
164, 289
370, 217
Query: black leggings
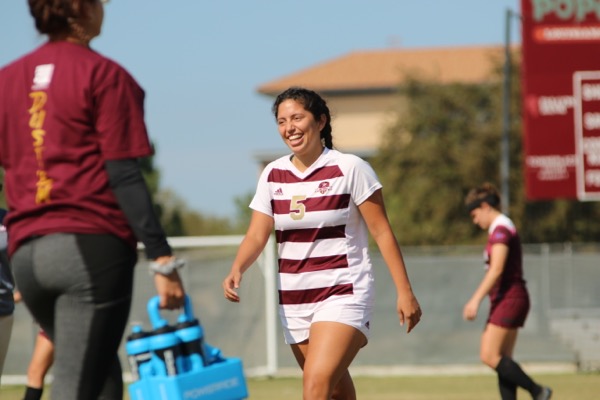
78, 288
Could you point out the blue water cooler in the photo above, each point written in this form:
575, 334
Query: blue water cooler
175, 362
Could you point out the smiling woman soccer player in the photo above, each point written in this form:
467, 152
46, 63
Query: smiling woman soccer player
322, 205
509, 299
71, 131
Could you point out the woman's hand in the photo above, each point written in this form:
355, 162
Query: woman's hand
255, 240
470, 310
409, 311
230, 286
169, 287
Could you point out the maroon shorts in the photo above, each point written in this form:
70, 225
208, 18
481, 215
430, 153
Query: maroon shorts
509, 312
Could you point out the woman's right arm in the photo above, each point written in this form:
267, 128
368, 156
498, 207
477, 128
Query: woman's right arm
255, 240
129, 187
499, 255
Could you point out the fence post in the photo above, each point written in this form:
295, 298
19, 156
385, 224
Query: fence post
568, 253
545, 285
270, 276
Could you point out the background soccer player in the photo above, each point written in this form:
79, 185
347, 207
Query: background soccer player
509, 298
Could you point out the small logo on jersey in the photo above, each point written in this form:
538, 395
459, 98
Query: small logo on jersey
499, 236
42, 76
278, 192
368, 324
323, 187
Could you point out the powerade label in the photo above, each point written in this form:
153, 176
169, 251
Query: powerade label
212, 388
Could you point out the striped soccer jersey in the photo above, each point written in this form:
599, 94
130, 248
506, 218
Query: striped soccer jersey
321, 237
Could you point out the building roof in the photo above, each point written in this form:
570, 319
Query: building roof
384, 70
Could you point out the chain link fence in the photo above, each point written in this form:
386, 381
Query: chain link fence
563, 325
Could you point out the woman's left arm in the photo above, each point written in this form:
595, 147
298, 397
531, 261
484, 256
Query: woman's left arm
373, 212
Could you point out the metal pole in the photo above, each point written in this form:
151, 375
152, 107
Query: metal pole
505, 148
271, 305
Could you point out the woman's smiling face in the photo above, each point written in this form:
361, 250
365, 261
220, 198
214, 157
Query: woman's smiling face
299, 129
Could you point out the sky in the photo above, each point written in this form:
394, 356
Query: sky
200, 63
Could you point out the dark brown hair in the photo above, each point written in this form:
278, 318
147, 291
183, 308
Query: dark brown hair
52, 17
486, 193
312, 103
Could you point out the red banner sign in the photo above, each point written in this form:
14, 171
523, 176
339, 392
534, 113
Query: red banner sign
561, 98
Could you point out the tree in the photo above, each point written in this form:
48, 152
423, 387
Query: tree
447, 140
441, 145
176, 217
172, 220
243, 211
182, 219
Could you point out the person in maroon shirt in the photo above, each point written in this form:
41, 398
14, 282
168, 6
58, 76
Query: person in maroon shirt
71, 132
509, 300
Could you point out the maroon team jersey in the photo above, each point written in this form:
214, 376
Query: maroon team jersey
64, 111
511, 282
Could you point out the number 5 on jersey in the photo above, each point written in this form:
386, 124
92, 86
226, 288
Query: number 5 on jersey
297, 208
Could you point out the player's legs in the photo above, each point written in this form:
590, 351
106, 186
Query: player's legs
497, 345
40, 303
325, 359
41, 361
92, 318
508, 389
88, 281
497, 342
6, 323
344, 387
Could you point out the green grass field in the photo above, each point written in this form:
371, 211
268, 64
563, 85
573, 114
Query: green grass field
479, 387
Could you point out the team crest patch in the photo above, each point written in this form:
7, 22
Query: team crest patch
42, 76
323, 187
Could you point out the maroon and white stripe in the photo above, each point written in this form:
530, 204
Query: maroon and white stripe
321, 237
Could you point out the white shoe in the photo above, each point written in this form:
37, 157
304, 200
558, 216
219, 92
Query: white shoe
545, 394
